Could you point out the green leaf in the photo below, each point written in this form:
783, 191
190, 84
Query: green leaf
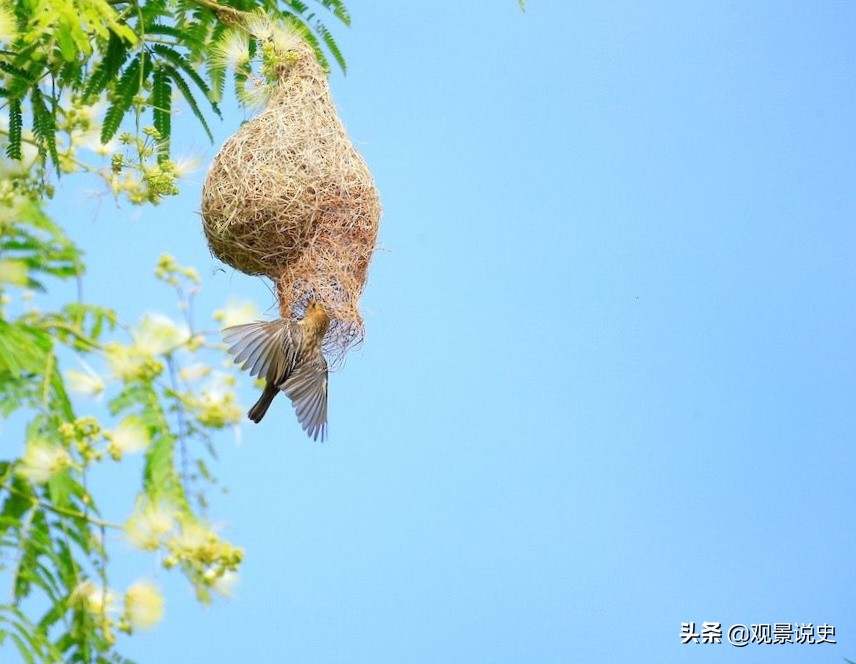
41, 575
181, 63
65, 40
105, 73
129, 398
59, 489
34, 542
44, 126
124, 92
23, 650
298, 7
53, 615
91, 320
327, 37
22, 348
59, 400
160, 478
161, 103
15, 392
182, 35
17, 71
339, 10
216, 72
13, 149
104, 13
302, 28
181, 84
69, 570
17, 504
39, 243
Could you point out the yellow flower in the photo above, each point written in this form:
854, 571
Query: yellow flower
143, 605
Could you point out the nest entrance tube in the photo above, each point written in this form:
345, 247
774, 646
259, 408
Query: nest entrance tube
290, 198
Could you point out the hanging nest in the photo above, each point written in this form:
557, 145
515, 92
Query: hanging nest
289, 197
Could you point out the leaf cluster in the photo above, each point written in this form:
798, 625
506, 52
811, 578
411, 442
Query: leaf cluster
134, 54
60, 60
53, 536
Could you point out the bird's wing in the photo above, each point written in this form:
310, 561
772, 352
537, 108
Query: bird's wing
307, 389
266, 350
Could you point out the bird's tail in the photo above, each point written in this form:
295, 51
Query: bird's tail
257, 412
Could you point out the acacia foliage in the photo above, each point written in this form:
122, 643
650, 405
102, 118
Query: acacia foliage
71, 71
60, 54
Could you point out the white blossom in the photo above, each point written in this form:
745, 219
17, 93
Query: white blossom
143, 605
86, 383
237, 312
42, 460
131, 435
150, 524
158, 334
96, 599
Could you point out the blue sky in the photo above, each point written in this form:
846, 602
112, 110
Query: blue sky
609, 376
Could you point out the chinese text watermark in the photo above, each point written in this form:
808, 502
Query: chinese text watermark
740, 635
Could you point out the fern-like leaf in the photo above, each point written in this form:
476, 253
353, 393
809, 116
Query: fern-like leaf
217, 76
114, 57
186, 92
299, 7
44, 126
16, 71
296, 23
124, 93
161, 103
312, 28
338, 9
216, 71
197, 37
181, 62
70, 76
13, 149
180, 34
327, 36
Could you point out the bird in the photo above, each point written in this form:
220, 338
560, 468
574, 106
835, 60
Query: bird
289, 355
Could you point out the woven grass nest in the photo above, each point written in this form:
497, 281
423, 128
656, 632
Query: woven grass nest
289, 197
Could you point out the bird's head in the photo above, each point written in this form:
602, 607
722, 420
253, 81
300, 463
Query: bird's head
315, 312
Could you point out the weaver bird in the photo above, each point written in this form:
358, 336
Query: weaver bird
288, 355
